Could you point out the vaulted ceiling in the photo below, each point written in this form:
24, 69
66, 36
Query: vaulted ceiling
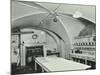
34, 15
20, 9
67, 27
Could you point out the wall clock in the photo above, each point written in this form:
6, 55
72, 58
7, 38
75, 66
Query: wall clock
34, 36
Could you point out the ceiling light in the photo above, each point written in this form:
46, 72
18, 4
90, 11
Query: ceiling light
55, 19
77, 14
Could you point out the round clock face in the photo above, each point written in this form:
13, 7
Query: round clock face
34, 36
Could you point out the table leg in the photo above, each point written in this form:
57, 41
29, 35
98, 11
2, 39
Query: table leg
42, 70
79, 60
35, 66
86, 61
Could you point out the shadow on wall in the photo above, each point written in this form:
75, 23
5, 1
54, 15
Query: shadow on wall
88, 30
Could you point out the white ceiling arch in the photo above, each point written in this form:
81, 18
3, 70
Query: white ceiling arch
21, 9
66, 27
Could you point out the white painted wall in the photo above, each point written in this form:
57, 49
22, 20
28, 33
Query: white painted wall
14, 46
28, 41
51, 43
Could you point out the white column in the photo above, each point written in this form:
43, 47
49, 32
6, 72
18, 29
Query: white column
44, 50
62, 48
22, 55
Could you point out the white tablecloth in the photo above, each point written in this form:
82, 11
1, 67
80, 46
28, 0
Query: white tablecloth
51, 64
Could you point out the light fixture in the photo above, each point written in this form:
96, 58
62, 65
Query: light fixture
77, 14
55, 19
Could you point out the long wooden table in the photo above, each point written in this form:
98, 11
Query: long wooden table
52, 64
